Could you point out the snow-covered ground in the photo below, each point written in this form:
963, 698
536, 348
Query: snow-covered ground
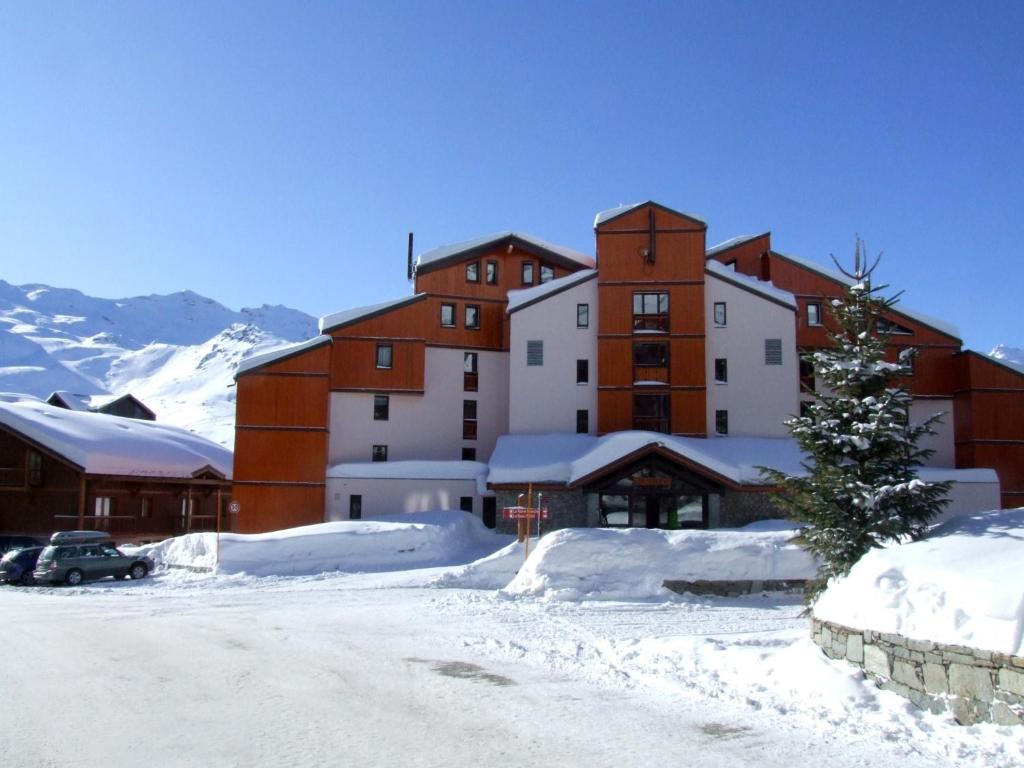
405, 668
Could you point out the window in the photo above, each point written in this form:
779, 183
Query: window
469, 454
773, 351
448, 315
381, 407
104, 504
651, 354
492, 272
814, 313
466, 503
651, 412
807, 374
547, 274
383, 355
469, 419
535, 353
380, 453
582, 371
145, 507
527, 273
470, 378
473, 272
582, 421
35, 468
355, 507
650, 311
582, 315
721, 370
472, 316
722, 422
720, 314
907, 358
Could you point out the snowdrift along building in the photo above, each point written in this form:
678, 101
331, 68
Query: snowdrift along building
642, 386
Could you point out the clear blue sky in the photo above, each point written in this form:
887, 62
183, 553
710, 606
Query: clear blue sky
280, 152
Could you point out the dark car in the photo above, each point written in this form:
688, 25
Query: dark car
76, 556
9, 542
17, 565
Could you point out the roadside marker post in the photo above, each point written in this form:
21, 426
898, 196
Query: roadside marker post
524, 515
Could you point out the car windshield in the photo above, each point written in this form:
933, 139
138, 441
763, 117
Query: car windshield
8, 556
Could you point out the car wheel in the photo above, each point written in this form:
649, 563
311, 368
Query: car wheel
27, 579
73, 577
138, 571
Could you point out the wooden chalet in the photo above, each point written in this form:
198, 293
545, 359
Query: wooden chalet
137, 480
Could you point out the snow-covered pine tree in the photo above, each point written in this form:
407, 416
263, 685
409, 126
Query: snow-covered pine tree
861, 487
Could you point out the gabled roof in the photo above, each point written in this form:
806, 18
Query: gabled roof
732, 242
349, 316
569, 459
522, 298
467, 249
279, 354
70, 400
109, 403
100, 444
835, 275
751, 284
613, 213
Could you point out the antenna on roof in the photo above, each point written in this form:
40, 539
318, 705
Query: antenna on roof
408, 264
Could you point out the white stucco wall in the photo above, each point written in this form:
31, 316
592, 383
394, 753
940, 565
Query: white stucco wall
545, 398
758, 397
388, 496
427, 426
942, 441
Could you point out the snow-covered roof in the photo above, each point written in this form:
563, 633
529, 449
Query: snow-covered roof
730, 243
72, 400
111, 445
766, 289
258, 361
413, 470
567, 458
520, 298
834, 274
330, 322
613, 213
455, 249
18, 397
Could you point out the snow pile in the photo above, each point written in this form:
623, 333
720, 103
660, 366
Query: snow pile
491, 572
383, 544
631, 564
961, 585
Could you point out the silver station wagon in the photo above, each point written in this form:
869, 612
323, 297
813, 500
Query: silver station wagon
76, 556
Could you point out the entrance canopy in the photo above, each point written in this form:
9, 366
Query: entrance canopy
583, 461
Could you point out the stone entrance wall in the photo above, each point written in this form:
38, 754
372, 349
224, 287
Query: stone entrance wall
975, 685
567, 508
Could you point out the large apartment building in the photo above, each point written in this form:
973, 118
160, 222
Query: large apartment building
640, 386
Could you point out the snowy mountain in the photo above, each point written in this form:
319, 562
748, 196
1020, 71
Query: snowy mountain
1011, 355
177, 353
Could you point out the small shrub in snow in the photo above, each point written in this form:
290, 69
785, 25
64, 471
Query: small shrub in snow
861, 487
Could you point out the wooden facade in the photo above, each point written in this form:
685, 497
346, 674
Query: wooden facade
42, 492
989, 421
651, 254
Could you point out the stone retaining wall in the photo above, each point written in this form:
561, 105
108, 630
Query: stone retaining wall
735, 588
975, 685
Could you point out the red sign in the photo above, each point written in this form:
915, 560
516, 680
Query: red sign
519, 513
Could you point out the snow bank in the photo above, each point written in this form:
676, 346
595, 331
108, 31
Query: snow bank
491, 572
631, 564
960, 585
382, 544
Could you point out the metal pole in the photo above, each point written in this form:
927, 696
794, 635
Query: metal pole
529, 501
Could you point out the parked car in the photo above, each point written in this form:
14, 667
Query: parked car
9, 542
76, 556
16, 566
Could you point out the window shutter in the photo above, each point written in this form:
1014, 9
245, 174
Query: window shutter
773, 351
